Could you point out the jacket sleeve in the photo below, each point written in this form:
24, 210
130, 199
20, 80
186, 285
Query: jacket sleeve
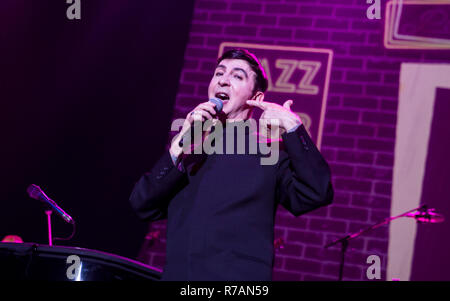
303, 175
152, 193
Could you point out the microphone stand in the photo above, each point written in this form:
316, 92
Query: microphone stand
49, 227
345, 240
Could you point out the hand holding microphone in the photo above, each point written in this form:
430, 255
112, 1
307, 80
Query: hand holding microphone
204, 111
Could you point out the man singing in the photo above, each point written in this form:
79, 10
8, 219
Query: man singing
220, 207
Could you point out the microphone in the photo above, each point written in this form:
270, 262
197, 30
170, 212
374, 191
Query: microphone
427, 216
36, 193
218, 108
219, 104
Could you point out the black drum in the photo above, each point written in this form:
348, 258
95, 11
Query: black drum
29, 261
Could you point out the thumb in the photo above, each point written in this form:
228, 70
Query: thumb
287, 104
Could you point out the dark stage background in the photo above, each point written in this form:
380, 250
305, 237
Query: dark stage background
85, 110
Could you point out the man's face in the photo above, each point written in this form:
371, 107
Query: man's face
233, 82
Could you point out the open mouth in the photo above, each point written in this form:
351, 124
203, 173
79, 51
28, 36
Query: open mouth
222, 96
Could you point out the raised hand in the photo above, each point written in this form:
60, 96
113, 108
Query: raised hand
286, 118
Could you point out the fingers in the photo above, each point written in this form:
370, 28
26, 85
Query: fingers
200, 115
263, 105
266, 105
202, 112
208, 106
258, 104
287, 104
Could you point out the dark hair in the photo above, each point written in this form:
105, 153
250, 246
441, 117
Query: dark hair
261, 82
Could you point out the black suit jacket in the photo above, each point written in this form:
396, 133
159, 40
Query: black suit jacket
221, 207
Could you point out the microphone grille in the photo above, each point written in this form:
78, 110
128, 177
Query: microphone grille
34, 191
218, 102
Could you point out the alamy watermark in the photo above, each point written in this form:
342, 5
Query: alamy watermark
373, 11
74, 10
74, 269
374, 270
199, 139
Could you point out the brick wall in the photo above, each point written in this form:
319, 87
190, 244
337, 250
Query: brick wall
359, 132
